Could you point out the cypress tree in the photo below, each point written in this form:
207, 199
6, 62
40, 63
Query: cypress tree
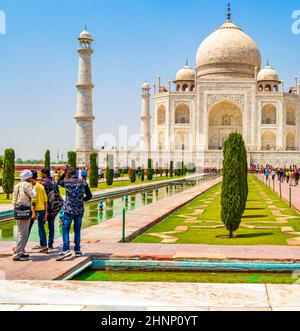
93, 170
110, 170
8, 179
47, 161
132, 175
171, 169
72, 159
143, 174
233, 199
150, 171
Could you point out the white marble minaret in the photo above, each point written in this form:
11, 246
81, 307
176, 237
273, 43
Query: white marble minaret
145, 119
84, 115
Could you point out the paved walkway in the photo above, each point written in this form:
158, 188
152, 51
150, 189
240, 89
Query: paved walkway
42, 267
89, 296
285, 188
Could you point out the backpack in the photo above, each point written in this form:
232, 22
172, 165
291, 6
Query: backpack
55, 202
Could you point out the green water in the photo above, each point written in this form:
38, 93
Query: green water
112, 208
186, 277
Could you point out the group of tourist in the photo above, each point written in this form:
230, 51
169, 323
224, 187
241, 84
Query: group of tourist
40, 201
289, 175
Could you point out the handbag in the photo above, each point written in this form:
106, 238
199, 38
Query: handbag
22, 212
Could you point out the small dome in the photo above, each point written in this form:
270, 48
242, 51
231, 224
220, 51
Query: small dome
146, 85
85, 35
185, 74
268, 74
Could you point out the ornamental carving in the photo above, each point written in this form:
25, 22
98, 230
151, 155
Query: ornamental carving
213, 99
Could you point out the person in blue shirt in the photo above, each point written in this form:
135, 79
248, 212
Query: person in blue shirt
77, 192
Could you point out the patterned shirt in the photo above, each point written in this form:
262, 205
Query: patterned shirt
77, 192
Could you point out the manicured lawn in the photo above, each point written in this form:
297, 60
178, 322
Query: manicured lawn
104, 186
186, 277
205, 211
3, 199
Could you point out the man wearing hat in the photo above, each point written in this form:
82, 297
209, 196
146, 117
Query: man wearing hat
24, 192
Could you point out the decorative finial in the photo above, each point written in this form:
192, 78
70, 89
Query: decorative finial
85, 27
187, 62
229, 12
268, 63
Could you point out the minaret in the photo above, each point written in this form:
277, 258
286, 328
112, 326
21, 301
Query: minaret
84, 115
145, 119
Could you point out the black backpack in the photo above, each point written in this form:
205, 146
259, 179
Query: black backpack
55, 202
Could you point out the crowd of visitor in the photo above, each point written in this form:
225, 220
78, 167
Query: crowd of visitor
39, 201
289, 175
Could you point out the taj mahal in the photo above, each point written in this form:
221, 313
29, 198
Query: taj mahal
189, 119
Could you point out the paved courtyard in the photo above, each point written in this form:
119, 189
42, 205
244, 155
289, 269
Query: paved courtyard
26, 296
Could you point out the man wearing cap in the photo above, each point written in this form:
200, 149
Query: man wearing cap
24, 192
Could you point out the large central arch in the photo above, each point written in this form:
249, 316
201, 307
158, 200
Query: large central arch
224, 118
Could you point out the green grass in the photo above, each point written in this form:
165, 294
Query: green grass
257, 213
3, 199
186, 277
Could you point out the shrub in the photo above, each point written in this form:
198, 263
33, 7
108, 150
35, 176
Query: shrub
171, 169
234, 188
8, 179
143, 174
72, 159
93, 170
150, 171
167, 172
110, 170
161, 172
47, 161
132, 174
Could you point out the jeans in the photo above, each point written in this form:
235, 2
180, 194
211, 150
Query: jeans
66, 225
42, 232
51, 227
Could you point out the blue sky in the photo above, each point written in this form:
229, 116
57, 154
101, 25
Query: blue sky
135, 40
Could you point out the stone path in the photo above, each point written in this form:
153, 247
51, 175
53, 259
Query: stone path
106, 296
279, 214
42, 267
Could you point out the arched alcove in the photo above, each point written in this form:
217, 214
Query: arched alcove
268, 141
224, 118
182, 114
268, 114
161, 115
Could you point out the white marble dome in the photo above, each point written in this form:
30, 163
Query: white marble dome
185, 74
85, 35
228, 51
146, 85
268, 74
